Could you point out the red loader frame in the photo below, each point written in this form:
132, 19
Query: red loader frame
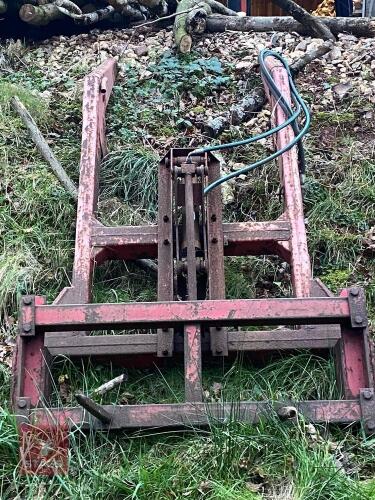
192, 315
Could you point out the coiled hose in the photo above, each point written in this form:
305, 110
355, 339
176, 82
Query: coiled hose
291, 120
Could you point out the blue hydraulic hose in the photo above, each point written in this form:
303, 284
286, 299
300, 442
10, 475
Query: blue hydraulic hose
292, 120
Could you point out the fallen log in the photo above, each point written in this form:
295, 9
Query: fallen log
39, 15
123, 5
357, 26
43, 148
319, 29
237, 113
72, 10
96, 16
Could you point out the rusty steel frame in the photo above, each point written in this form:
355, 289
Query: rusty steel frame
190, 267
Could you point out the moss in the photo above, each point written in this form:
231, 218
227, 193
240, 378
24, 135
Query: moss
334, 117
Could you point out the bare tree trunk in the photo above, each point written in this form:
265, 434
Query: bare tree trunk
319, 29
358, 26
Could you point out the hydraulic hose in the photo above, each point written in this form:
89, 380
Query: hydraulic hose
291, 120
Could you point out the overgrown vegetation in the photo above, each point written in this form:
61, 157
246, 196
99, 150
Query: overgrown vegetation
151, 111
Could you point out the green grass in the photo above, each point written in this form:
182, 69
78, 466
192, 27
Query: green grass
131, 174
272, 460
231, 460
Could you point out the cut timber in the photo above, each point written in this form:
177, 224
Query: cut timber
301, 15
123, 5
43, 147
41, 15
3, 7
361, 27
191, 18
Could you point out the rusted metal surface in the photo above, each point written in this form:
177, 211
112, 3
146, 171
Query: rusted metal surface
165, 251
193, 363
240, 238
126, 242
192, 333
367, 402
290, 178
31, 376
195, 413
96, 93
95, 409
357, 307
313, 337
215, 251
353, 360
210, 312
26, 321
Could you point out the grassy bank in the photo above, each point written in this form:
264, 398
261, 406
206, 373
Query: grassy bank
158, 103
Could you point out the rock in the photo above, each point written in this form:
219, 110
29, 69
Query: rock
141, 50
244, 65
335, 54
301, 46
341, 89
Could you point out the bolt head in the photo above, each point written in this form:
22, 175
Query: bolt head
370, 425
27, 301
354, 292
166, 242
367, 394
214, 240
26, 327
21, 403
358, 319
165, 353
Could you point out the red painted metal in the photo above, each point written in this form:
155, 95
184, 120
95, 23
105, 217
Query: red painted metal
290, 177
195, 413
211, 312
30, 371
355, 358
240, 238
192, 314
96, 93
